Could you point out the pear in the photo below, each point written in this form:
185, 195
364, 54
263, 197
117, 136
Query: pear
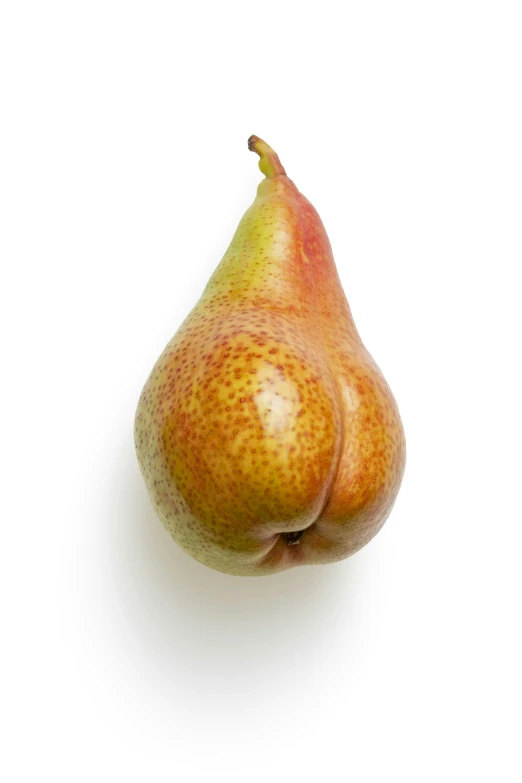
267, 436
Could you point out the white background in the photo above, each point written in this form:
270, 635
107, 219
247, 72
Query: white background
124, 172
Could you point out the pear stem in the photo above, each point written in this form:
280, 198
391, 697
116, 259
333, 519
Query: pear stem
269, 162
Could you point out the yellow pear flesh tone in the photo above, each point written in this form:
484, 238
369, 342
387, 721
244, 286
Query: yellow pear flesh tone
266, 434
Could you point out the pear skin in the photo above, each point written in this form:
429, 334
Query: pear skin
266, 434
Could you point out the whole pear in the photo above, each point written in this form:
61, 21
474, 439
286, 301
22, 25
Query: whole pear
266, 434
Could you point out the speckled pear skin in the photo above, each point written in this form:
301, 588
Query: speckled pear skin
266, 434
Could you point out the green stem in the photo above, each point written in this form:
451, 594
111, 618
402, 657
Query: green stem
269, 162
